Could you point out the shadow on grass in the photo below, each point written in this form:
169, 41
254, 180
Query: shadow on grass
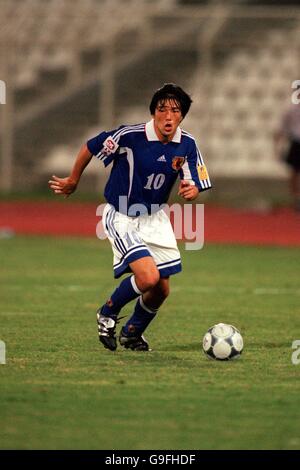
187, 347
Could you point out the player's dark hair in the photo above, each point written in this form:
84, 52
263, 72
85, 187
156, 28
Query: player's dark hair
170, 91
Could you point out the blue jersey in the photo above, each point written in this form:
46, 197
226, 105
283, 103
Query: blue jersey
145, 169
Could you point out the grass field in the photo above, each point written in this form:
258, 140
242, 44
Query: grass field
61, 390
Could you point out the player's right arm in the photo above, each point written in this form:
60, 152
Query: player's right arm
68, 185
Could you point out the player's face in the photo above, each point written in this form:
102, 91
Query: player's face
167, 118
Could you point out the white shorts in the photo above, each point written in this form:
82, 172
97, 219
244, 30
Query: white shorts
133, 238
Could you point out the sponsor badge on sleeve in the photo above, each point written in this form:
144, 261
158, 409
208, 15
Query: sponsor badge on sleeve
202, 172
110, 146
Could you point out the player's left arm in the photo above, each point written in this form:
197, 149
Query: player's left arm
187, 190
193, 174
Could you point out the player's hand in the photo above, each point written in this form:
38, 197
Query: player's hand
187, 190
65, 186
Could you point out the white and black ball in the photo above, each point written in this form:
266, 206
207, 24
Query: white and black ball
223, 342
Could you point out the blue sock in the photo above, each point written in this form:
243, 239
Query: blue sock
123, 294
140, 319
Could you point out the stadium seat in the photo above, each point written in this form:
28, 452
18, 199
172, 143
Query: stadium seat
250, 85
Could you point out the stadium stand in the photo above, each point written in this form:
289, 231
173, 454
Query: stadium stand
247, 95
74, 66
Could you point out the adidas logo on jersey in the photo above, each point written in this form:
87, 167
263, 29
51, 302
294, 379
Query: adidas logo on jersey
162, 159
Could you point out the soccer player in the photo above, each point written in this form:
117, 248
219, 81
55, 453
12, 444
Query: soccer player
290, 133
146, 161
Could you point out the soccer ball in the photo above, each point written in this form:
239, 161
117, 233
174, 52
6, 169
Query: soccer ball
223, 342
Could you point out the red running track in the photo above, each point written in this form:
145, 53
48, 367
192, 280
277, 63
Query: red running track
222, 225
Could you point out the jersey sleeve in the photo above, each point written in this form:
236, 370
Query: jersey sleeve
105, 146
194, 169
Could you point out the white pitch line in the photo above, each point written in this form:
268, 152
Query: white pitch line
241, 290
204, 289
44, 287
275, 291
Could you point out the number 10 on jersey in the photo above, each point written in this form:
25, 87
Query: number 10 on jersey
155, 181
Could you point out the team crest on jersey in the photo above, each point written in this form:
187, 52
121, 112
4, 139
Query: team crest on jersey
177, 163
202, 172
109, 146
